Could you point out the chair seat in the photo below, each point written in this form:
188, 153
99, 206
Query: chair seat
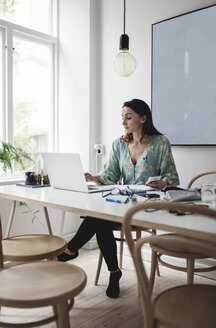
174, 251
50, 282
32, 247
186, 307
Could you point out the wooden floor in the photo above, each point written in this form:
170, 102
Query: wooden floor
93, 309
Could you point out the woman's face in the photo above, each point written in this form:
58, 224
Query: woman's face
131, 121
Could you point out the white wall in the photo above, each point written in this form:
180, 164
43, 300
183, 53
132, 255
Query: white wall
115, 90
79, 78
74, 68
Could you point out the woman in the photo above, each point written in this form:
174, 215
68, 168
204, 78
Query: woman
142, 152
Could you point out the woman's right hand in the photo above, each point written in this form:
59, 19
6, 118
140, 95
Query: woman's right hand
91, 178
159, 184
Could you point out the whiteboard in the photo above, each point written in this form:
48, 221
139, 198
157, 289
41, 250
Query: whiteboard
184, 77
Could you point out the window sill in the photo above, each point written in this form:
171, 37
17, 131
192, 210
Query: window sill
11, 180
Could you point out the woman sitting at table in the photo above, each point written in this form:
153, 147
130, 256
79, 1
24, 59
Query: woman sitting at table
142, 152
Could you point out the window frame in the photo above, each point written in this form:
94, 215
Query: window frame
10, 30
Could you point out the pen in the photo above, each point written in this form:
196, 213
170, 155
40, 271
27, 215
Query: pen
141, 192
113, 200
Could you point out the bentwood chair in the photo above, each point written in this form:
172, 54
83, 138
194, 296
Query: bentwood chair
183, 306
32, 247
165, 254
40, 284
198, 176
159, 248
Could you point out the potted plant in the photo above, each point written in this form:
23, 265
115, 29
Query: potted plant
10, 155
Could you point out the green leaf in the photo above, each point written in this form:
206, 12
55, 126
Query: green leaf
10, 154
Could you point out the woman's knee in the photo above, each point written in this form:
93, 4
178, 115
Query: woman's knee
98, 224
91, 222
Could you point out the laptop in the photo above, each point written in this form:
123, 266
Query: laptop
65, 171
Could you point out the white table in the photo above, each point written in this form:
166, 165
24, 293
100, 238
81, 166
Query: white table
96, 206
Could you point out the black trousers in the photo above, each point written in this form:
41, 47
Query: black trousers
105, 238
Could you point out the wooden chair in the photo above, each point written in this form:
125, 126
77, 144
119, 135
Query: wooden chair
190, 257
39, 284
183, 306
138, 232
199, 176
32, 247
160, 248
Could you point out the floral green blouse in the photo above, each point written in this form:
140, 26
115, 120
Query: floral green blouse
156, 160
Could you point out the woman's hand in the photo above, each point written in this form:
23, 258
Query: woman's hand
91, 178
159, 184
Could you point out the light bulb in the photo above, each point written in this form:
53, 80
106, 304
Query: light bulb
124, 63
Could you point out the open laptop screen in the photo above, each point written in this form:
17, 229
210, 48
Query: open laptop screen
65, 171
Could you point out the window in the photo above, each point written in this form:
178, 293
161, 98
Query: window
34, 14
32, 114
1, 86
28, 72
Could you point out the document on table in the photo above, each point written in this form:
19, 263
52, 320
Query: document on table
134, 188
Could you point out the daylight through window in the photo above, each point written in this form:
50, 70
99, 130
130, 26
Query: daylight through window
28, 72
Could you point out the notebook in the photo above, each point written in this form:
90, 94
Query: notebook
65, 171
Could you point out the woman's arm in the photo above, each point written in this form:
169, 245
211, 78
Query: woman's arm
111, 172
168, 170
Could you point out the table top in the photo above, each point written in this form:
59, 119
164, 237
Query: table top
96, 206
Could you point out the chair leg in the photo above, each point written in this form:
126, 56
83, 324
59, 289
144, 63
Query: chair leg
54, 308
157, 268
121, 249
52, 258
100, 259
190, 271
157, 265
138, 235
63, 315
153, 269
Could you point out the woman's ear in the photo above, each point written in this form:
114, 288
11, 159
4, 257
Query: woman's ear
143, 119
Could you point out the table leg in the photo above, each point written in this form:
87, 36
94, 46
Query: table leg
62, 223
47, 220
10, 220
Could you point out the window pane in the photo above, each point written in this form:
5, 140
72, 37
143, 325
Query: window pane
1, 87
32, 88
34, 14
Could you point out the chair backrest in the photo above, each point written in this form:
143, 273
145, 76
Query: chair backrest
169, 240
159, 205
198, 176
135, 248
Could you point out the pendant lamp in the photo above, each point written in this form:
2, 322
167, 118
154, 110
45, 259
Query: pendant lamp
124, 62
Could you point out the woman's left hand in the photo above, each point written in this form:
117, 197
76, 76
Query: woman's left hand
159, 184
91, 178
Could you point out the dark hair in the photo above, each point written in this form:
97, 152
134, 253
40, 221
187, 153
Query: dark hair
141, 108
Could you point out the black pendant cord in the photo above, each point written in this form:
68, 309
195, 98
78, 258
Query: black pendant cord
124, 38
124, 15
